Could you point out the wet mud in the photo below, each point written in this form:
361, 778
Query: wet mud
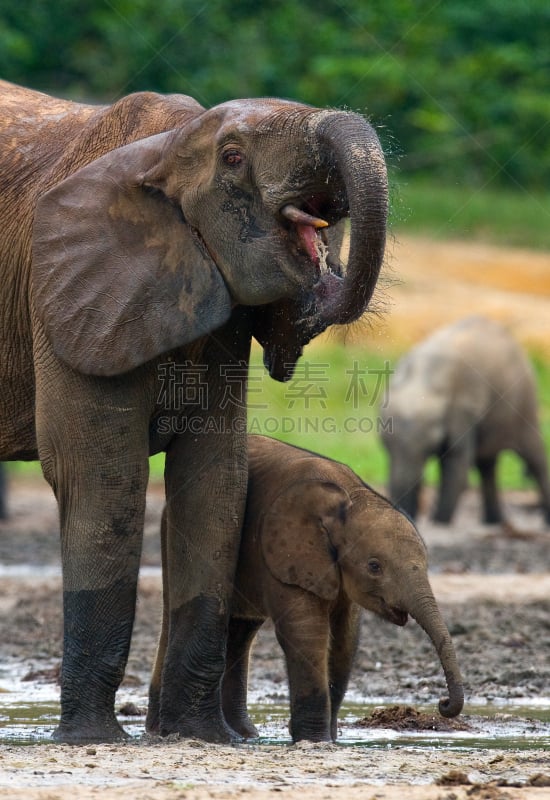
493, 586
494, 591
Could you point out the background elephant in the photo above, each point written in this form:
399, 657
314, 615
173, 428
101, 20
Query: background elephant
317, 544
140, 244
464, 394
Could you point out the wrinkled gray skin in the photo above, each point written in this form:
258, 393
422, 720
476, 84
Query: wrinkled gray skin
464, 394
142, 245
317, 545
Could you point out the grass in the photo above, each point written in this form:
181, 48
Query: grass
331, 406
500, 216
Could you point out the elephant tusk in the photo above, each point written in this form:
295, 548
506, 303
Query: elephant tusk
301, 218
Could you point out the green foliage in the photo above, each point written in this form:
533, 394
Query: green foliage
458, 89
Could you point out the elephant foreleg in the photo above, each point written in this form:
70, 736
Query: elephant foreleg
206, 491
344, 628
235, 680
302, 630
454, 463
100, 552
93, 446
406, 484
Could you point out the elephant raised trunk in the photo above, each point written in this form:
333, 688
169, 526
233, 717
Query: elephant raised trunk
427, 614
350, 161
360, 161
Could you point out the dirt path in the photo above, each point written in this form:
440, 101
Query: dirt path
439, 282
493, 587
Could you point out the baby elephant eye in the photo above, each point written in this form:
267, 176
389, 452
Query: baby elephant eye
375, 567
232, 158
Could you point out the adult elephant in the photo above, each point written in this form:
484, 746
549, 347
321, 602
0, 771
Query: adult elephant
142, 245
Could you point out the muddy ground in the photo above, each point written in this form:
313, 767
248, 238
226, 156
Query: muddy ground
493, 585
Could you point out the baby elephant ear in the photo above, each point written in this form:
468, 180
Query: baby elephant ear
296, 536
118, 275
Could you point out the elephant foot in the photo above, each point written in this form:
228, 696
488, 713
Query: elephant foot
244, 727
311, 736
223, 734
214, 731
152, 720
492, 517
75, 733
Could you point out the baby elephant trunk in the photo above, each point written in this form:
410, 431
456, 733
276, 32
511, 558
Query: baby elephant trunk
428, 616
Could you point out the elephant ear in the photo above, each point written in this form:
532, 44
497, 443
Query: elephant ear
296, 536
119, 277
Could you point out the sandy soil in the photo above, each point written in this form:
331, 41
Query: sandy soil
493, 586
431, 283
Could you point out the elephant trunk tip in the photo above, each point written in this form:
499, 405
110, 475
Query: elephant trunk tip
451, 707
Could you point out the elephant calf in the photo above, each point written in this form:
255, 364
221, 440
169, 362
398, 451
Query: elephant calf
464, 394
317, 544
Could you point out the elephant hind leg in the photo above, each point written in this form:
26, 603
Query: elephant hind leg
492, 511
152, 721
532, 451
235, 680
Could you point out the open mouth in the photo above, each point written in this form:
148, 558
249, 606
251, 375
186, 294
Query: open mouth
395, 615
314, 222
309, 232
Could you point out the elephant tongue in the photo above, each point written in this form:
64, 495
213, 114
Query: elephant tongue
307, 227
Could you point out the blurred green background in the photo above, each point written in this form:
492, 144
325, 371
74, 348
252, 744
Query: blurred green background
458, 91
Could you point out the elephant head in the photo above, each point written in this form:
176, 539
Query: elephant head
327, 540
152, 245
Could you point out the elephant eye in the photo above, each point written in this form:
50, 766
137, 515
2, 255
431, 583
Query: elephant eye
375, 567
232, 157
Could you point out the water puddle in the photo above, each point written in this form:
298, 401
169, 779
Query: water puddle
488, 727
29, 711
